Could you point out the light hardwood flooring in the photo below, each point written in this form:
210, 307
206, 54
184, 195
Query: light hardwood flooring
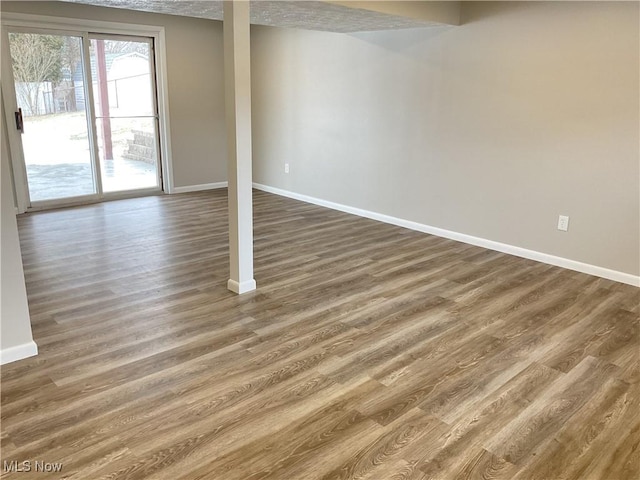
367, 352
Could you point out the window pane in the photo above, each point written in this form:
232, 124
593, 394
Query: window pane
49, 85
134, 158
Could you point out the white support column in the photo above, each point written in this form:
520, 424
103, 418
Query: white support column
237, 74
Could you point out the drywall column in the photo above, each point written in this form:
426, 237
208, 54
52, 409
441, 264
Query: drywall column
16, 341
237, 77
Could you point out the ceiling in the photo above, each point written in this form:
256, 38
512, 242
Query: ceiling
309, 15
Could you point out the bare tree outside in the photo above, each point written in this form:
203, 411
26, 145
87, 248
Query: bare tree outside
71, 56
36, 59
119, 46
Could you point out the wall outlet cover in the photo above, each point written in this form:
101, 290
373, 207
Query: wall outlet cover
563, 223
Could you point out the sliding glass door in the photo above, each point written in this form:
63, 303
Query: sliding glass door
126, 119
54, 123
87, 115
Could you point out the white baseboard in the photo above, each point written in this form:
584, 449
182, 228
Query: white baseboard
13, 354
198, 188
461, 237
243, 287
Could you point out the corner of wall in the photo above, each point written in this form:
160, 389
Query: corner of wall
16, 341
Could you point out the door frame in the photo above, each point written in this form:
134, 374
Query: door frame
83, 28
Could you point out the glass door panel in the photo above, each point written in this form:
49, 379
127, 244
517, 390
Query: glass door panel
49, 84
126, 120
132, 164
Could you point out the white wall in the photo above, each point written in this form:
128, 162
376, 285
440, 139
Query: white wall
15, 325
491, 129
195, 79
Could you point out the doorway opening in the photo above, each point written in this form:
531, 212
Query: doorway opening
87, 116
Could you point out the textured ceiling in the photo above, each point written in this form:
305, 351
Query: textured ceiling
309, 15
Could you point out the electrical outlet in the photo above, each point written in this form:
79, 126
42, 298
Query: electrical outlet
563, 223
286, 168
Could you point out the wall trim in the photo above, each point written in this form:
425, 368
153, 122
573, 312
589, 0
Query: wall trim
198, 188
587, 268
13, 354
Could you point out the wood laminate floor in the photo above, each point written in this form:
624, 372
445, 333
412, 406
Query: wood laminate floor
367, 352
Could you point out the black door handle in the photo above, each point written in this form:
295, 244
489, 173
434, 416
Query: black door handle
19, 121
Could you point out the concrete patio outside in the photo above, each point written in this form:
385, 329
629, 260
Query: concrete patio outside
58, 161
